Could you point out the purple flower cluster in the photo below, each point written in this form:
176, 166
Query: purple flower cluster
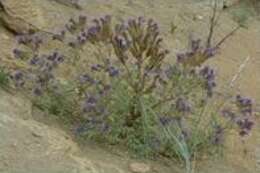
245, 126
74, 27
44, 67
86, 79
107, 67
40, 71
245, 105
209, 76
166, 120
243, 117
245, 122
99, 30
90, 104
18, 78
197, 54
138, 48
142, 39
18, 54
96, 113
31, 40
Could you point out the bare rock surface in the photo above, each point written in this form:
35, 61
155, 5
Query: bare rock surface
28, 146
38, 15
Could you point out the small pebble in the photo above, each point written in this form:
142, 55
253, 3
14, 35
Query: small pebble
198, 17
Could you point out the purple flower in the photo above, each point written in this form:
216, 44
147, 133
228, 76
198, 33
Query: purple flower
207, 73
18, 75
195, 45
141, 21
17, 53
81, 39
52, 57
37, 91
36, 42
242, 101
105, 20
209, 86
86, 79
93, 31
169, 72
90, 104
183, 105
245, 105
210, 52
96, 67
112, 71
121, 43
60, 59
209, 76
165, 120
34, 60
180, 57
245, 126
91, 100
21, 39
18, 78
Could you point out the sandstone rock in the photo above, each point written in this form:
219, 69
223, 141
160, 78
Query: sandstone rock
24, 15
31, 146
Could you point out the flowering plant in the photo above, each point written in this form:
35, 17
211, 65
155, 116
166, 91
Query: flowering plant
129, 95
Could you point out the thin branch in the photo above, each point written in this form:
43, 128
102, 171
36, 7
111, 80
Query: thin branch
240, 70
212, 24
227, 36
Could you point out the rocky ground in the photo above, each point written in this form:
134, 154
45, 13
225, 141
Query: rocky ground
31, 146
